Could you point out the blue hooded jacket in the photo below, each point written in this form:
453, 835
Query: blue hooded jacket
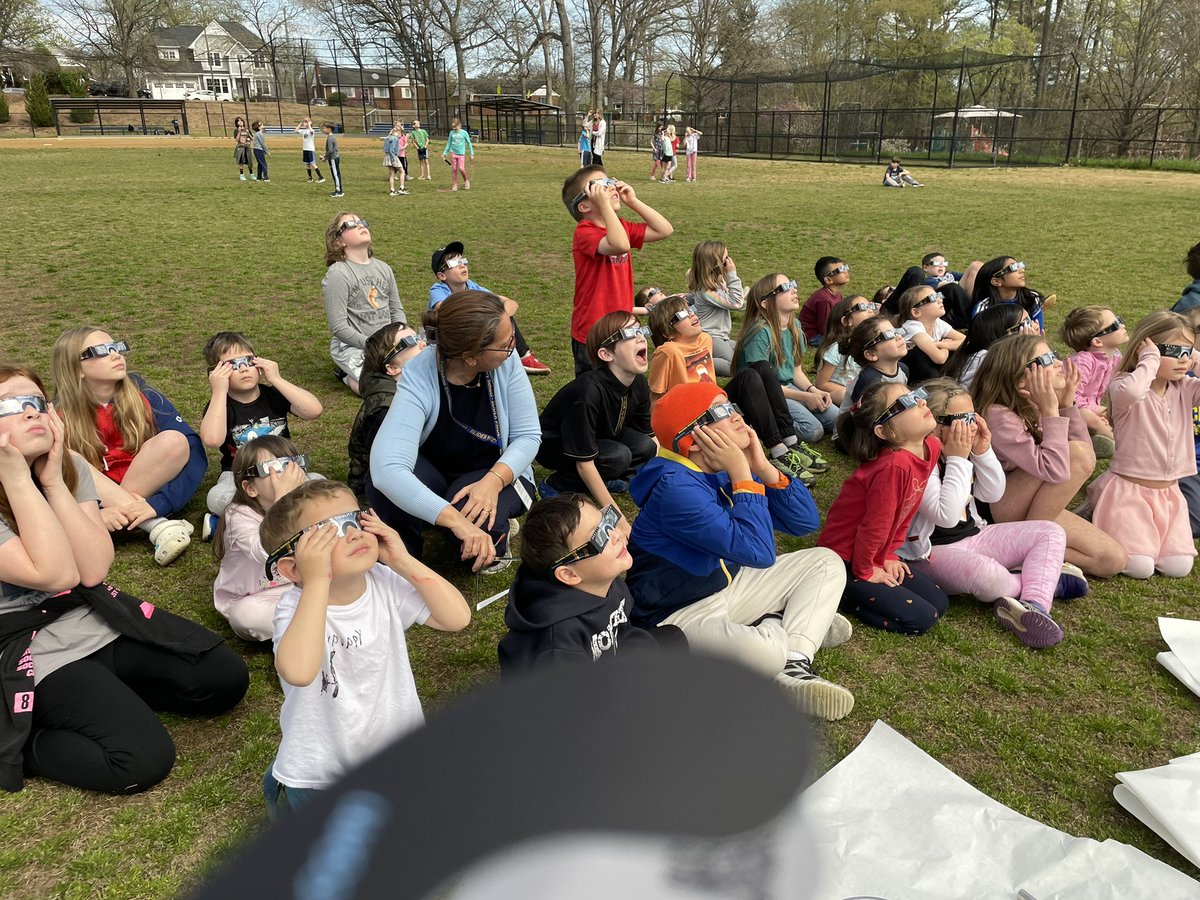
175, 494
694, 533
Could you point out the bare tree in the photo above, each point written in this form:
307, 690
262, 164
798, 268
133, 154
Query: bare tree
118, 31
22, 24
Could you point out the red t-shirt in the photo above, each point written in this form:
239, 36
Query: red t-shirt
870, 517
814, 314
603, 284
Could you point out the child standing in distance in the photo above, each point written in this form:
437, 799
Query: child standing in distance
146, 461
1138, 500
585, 140
386, 353
656, 151
889, 431
260, 150
568, 603
668, 161
879, 348
596, 430
250, 399
333, 157
1017, 566
360, 294
340, 651
450, 269
988, 327
772, 345
243, 593
420, 139
458, 145
691, 147
1188, 305
705, 557
1096, 334
833, 274
895, 175
929, 337
1027, 397
838, 367
600, 249
394, 158
308, 151
715, 289
241, 147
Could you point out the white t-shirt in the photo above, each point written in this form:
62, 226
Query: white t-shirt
307, 140
845, 369
911, 328
364, 697
691, 144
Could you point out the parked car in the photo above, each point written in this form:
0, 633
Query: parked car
320, 102
201, 95
145, 93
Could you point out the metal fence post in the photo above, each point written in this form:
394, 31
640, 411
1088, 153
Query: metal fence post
1154, 142
957, 105
1074, 111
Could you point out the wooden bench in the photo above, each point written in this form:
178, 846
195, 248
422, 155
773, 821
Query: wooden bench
124, 129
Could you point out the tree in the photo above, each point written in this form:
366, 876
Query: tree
37, 101
4, 113
119, 31
22, 24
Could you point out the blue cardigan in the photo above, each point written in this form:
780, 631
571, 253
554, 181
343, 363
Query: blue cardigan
418, 402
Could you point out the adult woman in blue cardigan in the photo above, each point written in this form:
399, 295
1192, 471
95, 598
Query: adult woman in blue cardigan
456, 447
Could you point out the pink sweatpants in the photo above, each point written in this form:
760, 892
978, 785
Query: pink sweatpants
979, 565
691, 166
458, 163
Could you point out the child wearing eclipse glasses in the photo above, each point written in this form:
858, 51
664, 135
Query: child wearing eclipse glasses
568, 602
704, 553
250, 399
340, 650
265, 469
1096, 334
600, 249
833, 274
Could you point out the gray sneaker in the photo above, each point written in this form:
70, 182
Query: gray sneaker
812, 694
839, 632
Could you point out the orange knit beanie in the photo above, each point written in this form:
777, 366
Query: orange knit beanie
680, 407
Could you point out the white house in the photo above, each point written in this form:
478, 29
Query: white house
223, 57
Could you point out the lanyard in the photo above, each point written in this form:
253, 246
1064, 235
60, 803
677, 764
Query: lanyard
493, 439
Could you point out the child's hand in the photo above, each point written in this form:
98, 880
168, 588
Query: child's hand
268, 367
392, 552
1066, 396
218, 378
49, 468
891, 574
113, 518
1038, 387
137, 511
730, 266
983, 437
1148, 348
625, 192
314, 553
288, 480
13, 467
722, 454
958, 440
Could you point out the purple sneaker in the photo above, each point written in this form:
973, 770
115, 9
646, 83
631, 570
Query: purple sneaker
1071, 583
1033, 627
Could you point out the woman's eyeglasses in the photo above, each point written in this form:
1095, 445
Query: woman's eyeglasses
902, 403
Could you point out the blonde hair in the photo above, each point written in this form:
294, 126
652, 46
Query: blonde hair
1156, 327
910, 299
708, 266
998, 381
131, 409
757, 318
335, 251
941, 391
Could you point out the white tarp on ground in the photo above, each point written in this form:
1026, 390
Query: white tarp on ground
892, 822
1183, 660
1167, 801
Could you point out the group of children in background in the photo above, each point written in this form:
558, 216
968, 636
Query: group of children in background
970, 448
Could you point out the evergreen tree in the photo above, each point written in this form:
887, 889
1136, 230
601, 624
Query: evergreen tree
37, 101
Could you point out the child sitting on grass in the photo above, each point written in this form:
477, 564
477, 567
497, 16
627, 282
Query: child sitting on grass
715, 291
250, 399
928, 336
1096, 334
833, 274
878, 347
838, 368
1188, 305
263, 472
568, 602
340, 651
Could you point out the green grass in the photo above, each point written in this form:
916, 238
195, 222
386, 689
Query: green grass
163, 246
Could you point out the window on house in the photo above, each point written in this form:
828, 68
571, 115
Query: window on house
380, 92
168, 54
406, 93
260, 60
214, 58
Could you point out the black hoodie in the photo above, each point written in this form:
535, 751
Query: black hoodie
550, 622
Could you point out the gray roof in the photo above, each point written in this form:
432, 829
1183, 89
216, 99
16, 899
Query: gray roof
185, 35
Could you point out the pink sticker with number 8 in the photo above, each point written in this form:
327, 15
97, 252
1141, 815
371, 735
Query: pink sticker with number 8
23, 702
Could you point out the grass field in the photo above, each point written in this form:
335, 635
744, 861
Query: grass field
163, 246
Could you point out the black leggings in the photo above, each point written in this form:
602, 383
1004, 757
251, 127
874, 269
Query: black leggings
94, 724
509, 505
912, 608
760, 395
614, 459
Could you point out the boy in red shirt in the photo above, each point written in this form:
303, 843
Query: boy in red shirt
833, 274
603, 268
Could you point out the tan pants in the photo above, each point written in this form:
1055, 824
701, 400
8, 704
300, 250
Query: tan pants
805, 586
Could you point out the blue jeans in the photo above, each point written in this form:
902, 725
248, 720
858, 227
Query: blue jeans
281, 799
812, 426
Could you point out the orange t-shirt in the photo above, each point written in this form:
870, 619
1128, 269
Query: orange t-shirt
677, 362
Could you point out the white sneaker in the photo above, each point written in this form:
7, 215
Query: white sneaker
812, 694
839, 632
170, 538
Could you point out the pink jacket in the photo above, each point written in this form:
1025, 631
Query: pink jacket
1154, 433
242, 567
1096, 370
1014, 444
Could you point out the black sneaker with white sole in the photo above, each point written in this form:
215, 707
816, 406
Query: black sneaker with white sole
812, 694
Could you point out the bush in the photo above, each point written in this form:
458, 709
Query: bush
4, 113
75, 85
337, 98
37, 101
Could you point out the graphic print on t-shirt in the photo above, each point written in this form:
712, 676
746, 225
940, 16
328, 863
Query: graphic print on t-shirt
243, 434
699, 367
373, 298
